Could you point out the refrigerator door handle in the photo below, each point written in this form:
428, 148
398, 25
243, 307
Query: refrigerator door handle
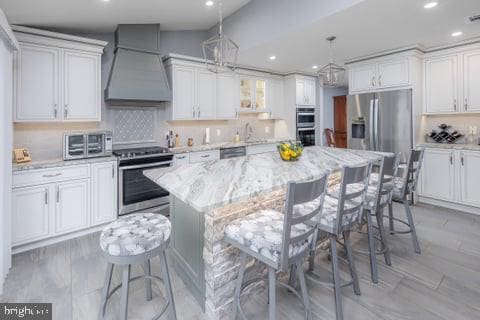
371, 123
375, 108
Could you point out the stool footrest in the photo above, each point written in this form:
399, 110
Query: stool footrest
401, 221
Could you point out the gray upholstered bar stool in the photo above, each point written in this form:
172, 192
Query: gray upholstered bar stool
278, 240
404, 185
342, 210
379, 195
135, 239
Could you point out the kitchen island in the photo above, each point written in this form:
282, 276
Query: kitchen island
206, 196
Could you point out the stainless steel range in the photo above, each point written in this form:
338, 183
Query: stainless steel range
135, 191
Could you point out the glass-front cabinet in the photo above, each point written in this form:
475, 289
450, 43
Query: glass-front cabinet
253, 93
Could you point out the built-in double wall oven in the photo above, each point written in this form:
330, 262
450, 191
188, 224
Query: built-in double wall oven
306, 126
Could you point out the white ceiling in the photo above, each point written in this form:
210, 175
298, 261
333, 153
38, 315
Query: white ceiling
368, 27
97, 15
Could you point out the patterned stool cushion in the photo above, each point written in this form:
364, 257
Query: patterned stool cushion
371, 198
328, 218
135, 234
262, 232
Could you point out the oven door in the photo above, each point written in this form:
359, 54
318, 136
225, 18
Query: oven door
137, 192
306, 136
305, 118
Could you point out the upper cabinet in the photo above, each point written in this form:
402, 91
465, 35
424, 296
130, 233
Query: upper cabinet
58, 77
253, 94
452, 82
305, 91
228, 96
384, 74
277, 99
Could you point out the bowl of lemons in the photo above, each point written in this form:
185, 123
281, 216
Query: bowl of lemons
290, 151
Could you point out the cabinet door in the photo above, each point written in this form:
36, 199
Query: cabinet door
246, 94
228, 96
37, 80
206, 94
471, 67
82, 83
30, 214
441, 81
393, 73
260, 95
310, 92
470, 177
104, 192
277, 102
184, 93
438, 174
72, 206
363, 78
301, 99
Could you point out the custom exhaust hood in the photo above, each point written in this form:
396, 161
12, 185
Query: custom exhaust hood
137, 73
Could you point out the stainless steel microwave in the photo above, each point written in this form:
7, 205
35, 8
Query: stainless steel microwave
87, 145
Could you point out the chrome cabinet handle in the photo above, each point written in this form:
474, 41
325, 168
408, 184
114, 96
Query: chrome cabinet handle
182, 157
55, 111
373, 81
58, 195
380, 81
451, 158
52, 175
205, 156
466, 104
461, 160
65, 109
113, 171
46, 196
199, 112
455, 104
194, 112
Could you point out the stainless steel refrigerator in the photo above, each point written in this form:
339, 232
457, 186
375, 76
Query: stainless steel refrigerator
381, 122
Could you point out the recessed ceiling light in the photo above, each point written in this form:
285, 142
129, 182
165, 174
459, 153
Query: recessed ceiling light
315, 67
209, 3
105, 0
457, 33
273, 57
430, 5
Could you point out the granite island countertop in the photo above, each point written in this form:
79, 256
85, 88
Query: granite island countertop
211, 184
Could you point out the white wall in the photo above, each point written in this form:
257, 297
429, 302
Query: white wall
326, 109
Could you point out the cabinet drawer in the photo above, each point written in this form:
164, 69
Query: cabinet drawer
261, 148
201, 156
44, 176
181, 158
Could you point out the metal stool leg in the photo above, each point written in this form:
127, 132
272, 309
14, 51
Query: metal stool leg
271, 294
383, 238
371, 248
408, 212
238, 285
148, 281
105, 291
351, 263
336, 278
168, 285
311, 258
390, 217
303, 286
125, 285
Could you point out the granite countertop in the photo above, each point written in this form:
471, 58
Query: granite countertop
52, 163
221, 145
212, 184
474, 147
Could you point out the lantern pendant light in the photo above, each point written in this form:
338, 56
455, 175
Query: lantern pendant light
220, 52
332, 73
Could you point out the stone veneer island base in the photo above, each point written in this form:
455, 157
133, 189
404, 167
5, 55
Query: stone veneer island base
205, 197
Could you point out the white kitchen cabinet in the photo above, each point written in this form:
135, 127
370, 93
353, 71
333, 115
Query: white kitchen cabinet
206, 94
441, 85
72, 206
471, 82
82, 85
277, 99
30, 219
393, 73
228, 96
37, 97
305, 92
363, 77
470, 177
104, 192
58, 77
438, 174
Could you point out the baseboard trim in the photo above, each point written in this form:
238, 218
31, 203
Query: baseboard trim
449, 205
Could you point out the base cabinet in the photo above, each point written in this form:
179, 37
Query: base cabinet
31, 208
104, 192
72, 206
452, 176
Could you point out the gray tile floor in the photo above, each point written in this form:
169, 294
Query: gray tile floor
441, 283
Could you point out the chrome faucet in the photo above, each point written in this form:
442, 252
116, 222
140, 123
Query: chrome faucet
248, 131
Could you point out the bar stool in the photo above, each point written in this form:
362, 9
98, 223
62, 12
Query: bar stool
136, 239
342, 211
278, 240
404, 185
379, 194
